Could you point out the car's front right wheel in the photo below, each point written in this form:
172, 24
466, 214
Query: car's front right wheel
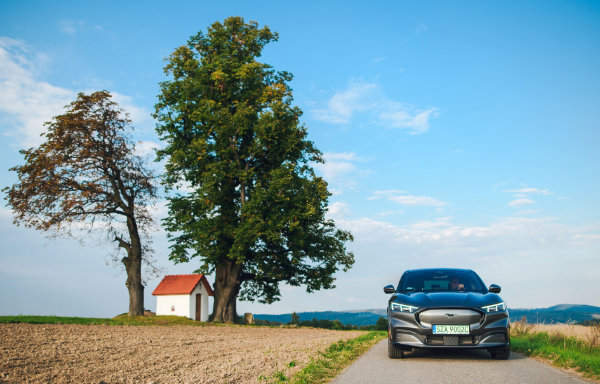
394, 352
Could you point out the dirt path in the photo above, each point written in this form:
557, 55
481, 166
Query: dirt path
154, 354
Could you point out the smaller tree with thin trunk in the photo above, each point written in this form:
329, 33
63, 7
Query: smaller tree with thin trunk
87, 176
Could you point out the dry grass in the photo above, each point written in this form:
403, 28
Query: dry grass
588, 334
521, 327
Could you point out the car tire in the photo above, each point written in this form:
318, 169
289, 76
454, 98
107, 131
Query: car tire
394, 352
500, 354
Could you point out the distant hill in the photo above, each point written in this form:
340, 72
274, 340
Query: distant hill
562, 313
377, 311
354, 318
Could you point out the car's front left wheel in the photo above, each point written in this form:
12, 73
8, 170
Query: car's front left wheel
394, 352
500, 354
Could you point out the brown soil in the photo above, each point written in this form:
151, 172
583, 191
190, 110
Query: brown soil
31, 353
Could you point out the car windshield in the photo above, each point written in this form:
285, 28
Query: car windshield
440, 280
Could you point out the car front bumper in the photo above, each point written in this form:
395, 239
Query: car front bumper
408, 330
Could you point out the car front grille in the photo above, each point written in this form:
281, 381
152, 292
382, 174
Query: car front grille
449, 316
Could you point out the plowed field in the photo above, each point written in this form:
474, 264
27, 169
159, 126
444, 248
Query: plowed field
155, 354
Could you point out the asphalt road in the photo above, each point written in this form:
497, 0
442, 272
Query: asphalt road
450, 367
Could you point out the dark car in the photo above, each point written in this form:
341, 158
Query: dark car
446, 309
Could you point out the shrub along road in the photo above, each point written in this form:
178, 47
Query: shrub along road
455, 367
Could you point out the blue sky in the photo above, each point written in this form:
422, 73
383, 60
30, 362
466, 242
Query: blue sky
456, 134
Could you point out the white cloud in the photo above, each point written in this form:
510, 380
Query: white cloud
68, 26
421, 28
159, 211
522, 197
5, 213
416, 200
528, 191
339, 170
390, 213
520, 202
526, 212
139, 116
26, 102
504, 251
405, 116
370, 100
386, 193
341, 156
334, 169
338, 210
587, 236
146, 148
433, 225
71, 27
342, 105
401, 197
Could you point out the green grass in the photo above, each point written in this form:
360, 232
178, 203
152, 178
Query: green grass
119, 320
563, 351
330, 362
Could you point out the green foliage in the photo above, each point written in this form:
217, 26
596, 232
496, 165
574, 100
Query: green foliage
567, 352
382, 324
234, 138
267, 323
337, 325
295, 319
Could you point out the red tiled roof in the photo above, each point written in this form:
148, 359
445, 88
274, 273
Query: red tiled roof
181, 285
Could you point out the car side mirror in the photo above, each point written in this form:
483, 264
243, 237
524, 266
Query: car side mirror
389, 289
494, 288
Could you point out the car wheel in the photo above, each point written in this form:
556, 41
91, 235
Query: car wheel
500, 354
394, 352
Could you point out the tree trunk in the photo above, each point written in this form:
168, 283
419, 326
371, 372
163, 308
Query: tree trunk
135, 287
133, 266
227, 287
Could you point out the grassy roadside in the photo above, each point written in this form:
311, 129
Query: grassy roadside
560, 349
119, 320
562, 352
330, 362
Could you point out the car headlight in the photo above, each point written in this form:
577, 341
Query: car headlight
402, 307
494, 307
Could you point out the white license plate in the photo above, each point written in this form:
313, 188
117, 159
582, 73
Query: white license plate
450, 329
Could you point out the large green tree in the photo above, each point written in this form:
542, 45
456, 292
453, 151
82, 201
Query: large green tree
253, 211
87, 173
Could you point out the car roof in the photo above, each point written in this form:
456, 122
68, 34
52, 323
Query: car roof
439, 269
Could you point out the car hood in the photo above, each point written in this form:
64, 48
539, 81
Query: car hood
447, 299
